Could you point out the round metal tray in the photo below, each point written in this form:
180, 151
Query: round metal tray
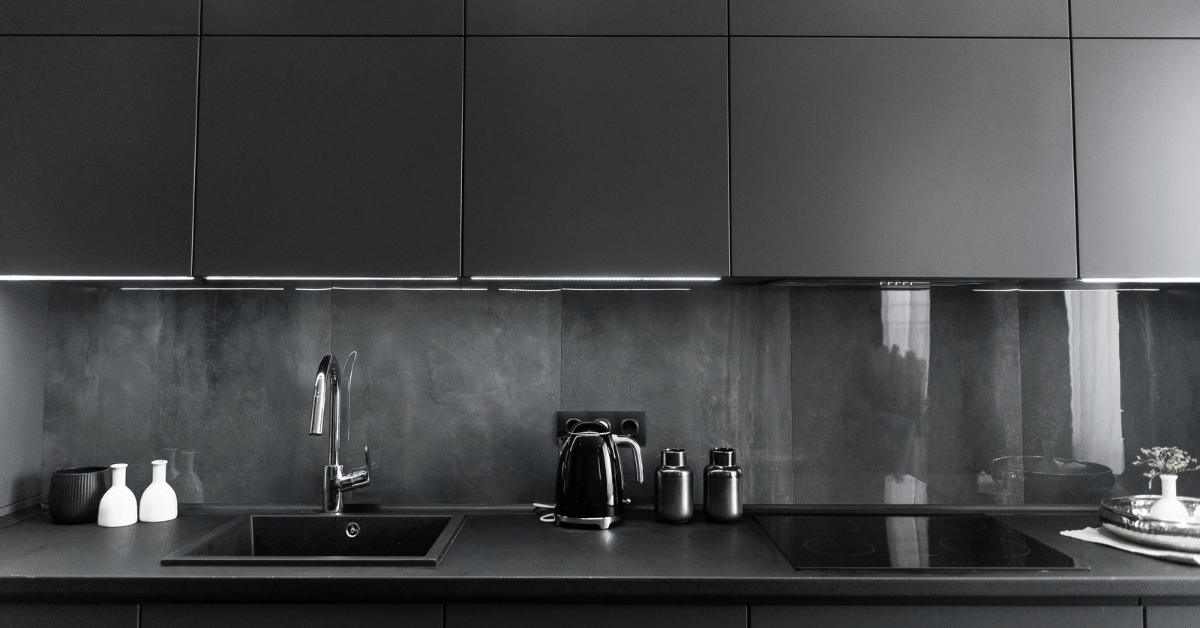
1129, 518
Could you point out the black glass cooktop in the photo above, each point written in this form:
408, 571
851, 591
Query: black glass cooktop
888, 542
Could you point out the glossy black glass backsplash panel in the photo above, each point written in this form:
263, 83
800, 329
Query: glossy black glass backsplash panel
830, 395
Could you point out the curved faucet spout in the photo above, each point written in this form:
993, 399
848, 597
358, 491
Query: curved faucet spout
327, 400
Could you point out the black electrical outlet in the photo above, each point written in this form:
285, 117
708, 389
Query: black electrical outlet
631, 423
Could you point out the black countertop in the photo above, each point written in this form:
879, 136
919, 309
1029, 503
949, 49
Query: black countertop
516, 557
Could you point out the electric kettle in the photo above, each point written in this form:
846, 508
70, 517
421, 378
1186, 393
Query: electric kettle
588, 490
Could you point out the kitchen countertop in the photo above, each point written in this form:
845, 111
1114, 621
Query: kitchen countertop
516, 557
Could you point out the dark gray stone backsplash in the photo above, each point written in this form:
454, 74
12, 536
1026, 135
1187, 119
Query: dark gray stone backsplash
829, 395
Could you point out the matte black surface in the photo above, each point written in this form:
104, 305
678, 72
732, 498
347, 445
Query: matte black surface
1172, 616
69, 615
24, 318
880, 542
596, 156
1137, 130
1146, 18
518, 558
915, 158
349, 539
333, 17
329, 157
291, 615
939, 18
593, 616
956, 616
99, 17
96, 155
597, 17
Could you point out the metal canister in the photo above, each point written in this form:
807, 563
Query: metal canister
722, 486
673, 487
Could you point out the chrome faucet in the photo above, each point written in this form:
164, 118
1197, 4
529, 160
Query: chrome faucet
328, 392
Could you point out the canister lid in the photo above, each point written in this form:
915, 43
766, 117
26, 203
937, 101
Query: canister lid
722, 457
674, 457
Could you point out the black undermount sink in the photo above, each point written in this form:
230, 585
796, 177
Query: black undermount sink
345, 539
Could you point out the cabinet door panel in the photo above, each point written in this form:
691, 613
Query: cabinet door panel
329, 156
1138, 137
1172, 616
69, 615
592, 616
596, 156
96, 155
333, 17
291, 615
597, 17
900, 18
99, 17
914, 158
956, 616
1145, 18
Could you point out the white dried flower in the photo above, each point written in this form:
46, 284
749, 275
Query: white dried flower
1166, 461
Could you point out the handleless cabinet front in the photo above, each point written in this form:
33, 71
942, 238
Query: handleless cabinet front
1138, 135
329, 157
900, 18
99, 17
333, 17
96, 154
597, 17
1144, 18
593, 616
767, 616
596, 156
904, 158
290, 615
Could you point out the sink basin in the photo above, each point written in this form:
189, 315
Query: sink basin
358, 539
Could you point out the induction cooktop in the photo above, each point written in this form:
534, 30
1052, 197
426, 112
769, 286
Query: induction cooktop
891, 542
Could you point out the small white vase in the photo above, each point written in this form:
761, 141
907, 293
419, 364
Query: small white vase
1168, 507
158, 500
118, 507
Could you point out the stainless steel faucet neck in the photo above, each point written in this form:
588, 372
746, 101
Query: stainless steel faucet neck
328, 400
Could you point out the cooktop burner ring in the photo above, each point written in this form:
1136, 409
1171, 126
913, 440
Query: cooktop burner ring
839, 547
985, 547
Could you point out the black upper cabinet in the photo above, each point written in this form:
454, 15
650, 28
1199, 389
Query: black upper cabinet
1138, 137
1144, 18
901, 18
597, 17
333, 17
96, 155
329, 156
906, 158
596, 156
99, 17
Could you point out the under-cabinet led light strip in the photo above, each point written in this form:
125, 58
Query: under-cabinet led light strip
612, 279
249, 278
197, 289
88, 278
395, 288
1141, 280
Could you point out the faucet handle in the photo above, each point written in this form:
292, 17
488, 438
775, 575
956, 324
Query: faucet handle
357, 478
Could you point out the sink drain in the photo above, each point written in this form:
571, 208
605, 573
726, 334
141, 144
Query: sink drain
352, 529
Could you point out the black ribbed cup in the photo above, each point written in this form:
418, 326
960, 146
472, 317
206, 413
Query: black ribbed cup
75, 494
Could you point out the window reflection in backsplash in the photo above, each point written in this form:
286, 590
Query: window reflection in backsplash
945, 395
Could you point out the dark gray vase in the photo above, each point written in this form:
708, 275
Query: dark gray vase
75, 494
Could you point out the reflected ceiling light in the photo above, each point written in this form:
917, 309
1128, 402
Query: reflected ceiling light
394, 288
89, 278
255, 278
612, 279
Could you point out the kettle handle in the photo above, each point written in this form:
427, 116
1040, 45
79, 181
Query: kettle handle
637, 452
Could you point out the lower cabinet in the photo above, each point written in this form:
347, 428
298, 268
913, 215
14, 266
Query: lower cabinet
290, 615
593, 616
69, 615
1172, 616
947, 616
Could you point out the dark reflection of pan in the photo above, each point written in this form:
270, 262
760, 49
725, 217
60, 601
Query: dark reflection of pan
1087, 487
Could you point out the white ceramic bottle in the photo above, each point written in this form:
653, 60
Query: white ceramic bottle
1168, 507
118, 507
158, 500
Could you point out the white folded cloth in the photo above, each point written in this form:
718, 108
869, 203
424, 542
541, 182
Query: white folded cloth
1104, 537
